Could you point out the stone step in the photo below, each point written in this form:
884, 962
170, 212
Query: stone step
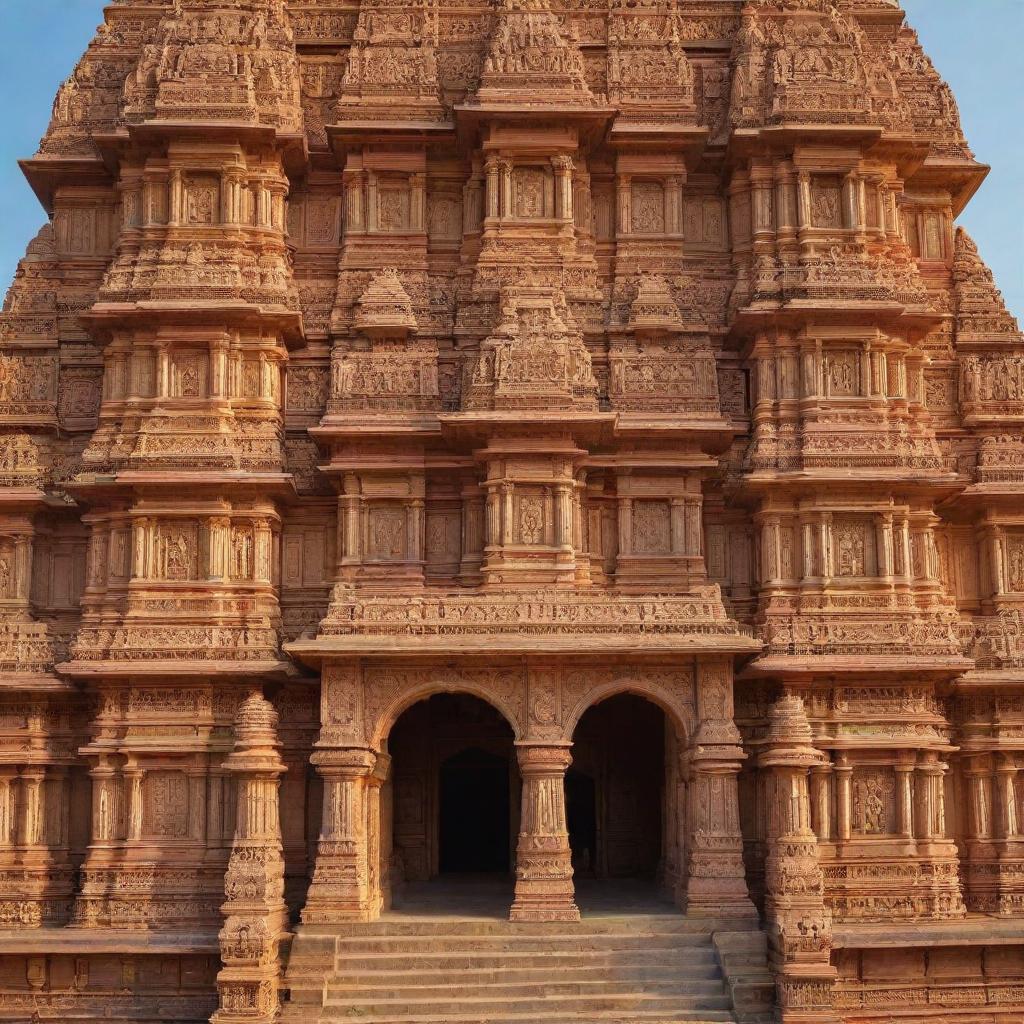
512, 992
416, 944
550, 960
542, 972
657, 1016
660, 923
544, 1006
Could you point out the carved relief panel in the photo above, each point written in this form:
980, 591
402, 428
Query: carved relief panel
165, 805
652, 528
826, 202
647, 208
704, 224
842, 373
442, 543
853, 547
533, 192
444, 216
178, 550
314, 219
393, 205
1014, 561
387, 528
202, 199
533, 519
189, 374
874, 801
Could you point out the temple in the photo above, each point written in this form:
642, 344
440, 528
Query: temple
511, 512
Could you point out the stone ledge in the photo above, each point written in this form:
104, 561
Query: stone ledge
47, 941
976, 930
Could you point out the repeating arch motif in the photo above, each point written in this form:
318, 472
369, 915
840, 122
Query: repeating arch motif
388, 694
677, 706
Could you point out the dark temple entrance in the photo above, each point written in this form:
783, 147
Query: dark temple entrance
474, 813
452, 800
615, 790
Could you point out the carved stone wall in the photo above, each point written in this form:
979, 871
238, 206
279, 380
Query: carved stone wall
539, 353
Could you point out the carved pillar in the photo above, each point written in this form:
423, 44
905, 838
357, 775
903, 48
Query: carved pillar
505, 186
1011, 841
507, 535
417, 202
941, 889
340, 889
473, 528
625, 525
544, 888
925, 791
378, 843
355, 201
905, 799
784, 198
30, 806
349, 516
853, 214
1006, 783
624, 198
493, 203
674, 204
716, 883
799, 924
256, 919
7, 806
885, 547
133, 778
371, 202
563, 517
563, 167
803, 200
220, 548
844, 796
821, 800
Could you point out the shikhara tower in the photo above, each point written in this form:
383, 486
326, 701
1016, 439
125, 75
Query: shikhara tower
568, 439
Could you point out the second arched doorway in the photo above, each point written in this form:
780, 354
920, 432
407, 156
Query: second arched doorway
624, 801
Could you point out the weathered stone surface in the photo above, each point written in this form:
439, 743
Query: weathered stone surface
550, 355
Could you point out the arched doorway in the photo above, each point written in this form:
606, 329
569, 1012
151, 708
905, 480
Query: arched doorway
474, 797
451, 803
623, 798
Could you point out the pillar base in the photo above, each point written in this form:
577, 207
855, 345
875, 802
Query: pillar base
718, 898
529, 910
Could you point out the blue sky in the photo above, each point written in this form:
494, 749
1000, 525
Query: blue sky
975, 46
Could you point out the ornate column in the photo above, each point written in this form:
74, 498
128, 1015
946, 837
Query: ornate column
1011, 840
340, 889
493, 204
905, 799
563, 168
821, 800
799, 924
844, 796
624, 204
979, 863
256, 918
716, 884
505, 186
544, 888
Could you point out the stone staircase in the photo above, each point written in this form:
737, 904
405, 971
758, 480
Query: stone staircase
630, 969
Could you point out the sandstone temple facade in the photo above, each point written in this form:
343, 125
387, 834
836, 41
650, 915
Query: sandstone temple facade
562, 441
